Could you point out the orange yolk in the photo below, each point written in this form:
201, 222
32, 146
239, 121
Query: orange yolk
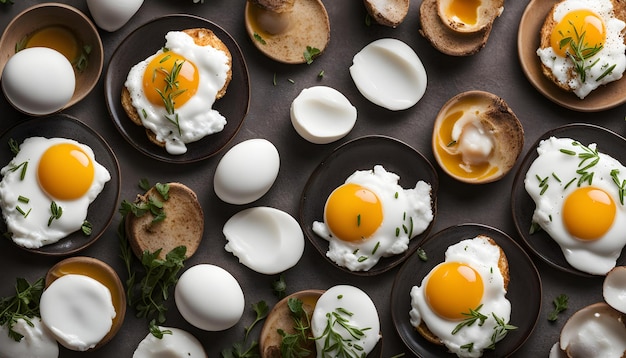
57, 38
453, 289
588, 213
65, 171
574, 25
353, 212
170, 77
465, 10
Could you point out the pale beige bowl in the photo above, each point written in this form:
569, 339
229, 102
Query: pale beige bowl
49, 14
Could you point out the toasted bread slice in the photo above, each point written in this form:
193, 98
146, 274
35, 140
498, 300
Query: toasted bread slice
503, 266
201, 37
183, 223
387, 12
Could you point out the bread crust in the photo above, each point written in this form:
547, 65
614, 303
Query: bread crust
391, 14
503, 266
201, 37
183, 223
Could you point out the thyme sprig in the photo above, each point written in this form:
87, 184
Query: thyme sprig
472, 316
621, 185
588, 159
55, 212
580, 52
336, 343
23, 305
171, 90
499, 331
295, 344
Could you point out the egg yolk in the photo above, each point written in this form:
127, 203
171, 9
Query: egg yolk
57, 38
170, 80
464, 10
353, 212
65, 171
453, 289
588, 213
585, 29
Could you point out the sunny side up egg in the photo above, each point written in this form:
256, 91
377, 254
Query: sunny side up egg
174, 89
587, 46
579, 198
468, 279
46, 189
370, 216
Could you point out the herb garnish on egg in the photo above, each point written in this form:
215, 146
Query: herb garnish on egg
23, 305
581, 51
334, 341
171, 90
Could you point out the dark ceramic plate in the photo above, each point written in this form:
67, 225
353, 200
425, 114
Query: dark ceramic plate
524, 291
144, 42
523, 206
600, 99
363, 154
102, 209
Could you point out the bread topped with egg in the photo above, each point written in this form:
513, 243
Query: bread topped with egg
600, 26
215, 73
183, 224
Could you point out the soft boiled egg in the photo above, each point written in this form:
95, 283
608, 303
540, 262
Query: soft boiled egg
37, 341
586, 45
578, 193
469, 280
338, 308
370, 216
46, 189
180, 112
175, 343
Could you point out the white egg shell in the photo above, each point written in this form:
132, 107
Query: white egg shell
38, 80
176, 344
390, 74
265, 239
321, 114
614, 288
247, 171
209, 297
111, 15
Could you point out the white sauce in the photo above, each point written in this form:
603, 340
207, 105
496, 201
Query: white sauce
177, 344
78, 310
37, 341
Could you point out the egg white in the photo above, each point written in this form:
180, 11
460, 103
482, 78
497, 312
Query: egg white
595, 257
611, 53
483, 256
398, 211
33, 231
196, 117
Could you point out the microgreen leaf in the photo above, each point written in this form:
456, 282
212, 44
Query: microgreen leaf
24, 304
560, 305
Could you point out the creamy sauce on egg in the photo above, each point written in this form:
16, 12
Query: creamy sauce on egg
37, 341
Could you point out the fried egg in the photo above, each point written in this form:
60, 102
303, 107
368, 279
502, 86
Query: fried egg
370, 216
353, 308
46, 189
173, 91
579, 198
588, 32
468, 279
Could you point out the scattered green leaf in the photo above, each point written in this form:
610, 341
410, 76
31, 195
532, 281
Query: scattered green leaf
280, 287
560, 305
310, 53
23, 305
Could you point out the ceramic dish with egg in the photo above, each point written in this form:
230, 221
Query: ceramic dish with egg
528, 37
522, 204
524, 289
48, 15
141, 44
103, 208
364, 154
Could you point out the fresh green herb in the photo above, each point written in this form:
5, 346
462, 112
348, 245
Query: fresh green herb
310, 53
163, 189
362, 258
469, 346
472, 316
296, 344
149, 203
55, 212
422, 254
376, 248
606, 72
556, 177
621, 185
22, 212
145, 114
156, 331
560, 305
274, 79
291, 81
171, 91
588, 159
261, 309
260, 39
23, 305
14, 146
280, 287
398, 355
23, 199
358, 220
86, 228
395, 195
83, 59
334, 343
144, 184
543, 184
451, 143
397, 231
238, 349
321, 74
23, 166
499, 331
581, 51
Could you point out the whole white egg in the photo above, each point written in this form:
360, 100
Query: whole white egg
111, 15
247, 171
38, 80
209, 297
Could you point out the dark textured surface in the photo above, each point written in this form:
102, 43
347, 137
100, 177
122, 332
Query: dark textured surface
495, 69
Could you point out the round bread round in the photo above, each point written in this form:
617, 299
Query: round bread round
183, 223
201, 37
387, 12
503, 266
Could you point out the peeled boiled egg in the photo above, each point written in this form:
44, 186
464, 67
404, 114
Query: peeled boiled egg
177, 343
389, 73
247, 171
111, 15
209, 297
265, 239
614, 288
38, 81
37, 341
322, 114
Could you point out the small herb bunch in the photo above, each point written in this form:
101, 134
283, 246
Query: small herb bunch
581, 51
335, 343
242, 349
23, 305
500, 330
560, 305
294, 345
